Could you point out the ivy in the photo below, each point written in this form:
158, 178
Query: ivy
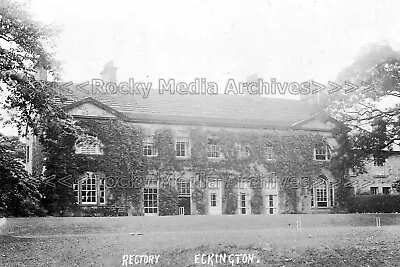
199, 199
168, 201
230, 197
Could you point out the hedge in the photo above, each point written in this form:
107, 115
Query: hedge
374, 203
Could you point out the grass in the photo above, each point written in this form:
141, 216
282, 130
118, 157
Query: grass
324, 240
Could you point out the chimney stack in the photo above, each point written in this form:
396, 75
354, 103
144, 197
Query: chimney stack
252, 79
109, 74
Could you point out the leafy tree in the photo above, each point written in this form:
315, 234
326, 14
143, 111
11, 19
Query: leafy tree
372, 111
28, 100
17, 196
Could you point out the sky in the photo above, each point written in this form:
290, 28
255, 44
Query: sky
216, 40
291, 41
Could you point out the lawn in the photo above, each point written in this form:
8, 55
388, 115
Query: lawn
256, 240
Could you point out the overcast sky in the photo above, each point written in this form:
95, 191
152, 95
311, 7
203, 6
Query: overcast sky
216, 40
291, 41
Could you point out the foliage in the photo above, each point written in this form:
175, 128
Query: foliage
168, 201
230, 196
257, 201
371, 111
374, 203
198, 198
122, 158
17, 196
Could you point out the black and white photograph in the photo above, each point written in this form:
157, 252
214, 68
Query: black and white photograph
199, 133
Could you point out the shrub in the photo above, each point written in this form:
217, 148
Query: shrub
374, 203
169, 201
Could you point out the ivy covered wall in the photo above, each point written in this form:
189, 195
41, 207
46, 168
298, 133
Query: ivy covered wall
123, 157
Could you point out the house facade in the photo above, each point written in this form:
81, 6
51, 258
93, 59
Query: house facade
379, 176
235, 154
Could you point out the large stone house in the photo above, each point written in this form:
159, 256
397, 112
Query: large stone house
234, 115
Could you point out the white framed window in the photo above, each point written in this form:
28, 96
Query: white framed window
242, 203
242, 151
150, 200
213, 149
90, 190
149, 147
182, 148
322, 193
183, 188
322, 153
213, 200
272, 204
269, 153
92, 147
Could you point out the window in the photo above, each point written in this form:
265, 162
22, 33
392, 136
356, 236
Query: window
92, 148
149, 148
322, 153
270, 182
379, 161
374, 190
183, 188
27, 154
182, 148
243, 203
271, 204
213, 199
242, 151
269, 153
213, 149
150, 199
386, 190
321, 193
90, 190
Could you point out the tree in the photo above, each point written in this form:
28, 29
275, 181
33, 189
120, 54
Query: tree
372, 111
18, 197
24, 51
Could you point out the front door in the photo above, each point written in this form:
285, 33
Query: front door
184, 206
215, 204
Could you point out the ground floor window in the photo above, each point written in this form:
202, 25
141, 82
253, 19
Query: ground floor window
213, 201
90, 189
242, 203
374, 190
322, 193
272, 204
386, 190
150, 198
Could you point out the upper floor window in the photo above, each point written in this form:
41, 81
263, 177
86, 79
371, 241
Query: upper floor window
379, 161
92, 146
213, 149
149, 148
182, 148
242, 151
269, 153
322, 153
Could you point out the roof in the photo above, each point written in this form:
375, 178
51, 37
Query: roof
218, 109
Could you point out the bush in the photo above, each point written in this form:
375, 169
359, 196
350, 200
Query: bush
18, 197
374, 203
169, 201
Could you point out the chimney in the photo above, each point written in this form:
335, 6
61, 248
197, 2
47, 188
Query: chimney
252, 79
109, 74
